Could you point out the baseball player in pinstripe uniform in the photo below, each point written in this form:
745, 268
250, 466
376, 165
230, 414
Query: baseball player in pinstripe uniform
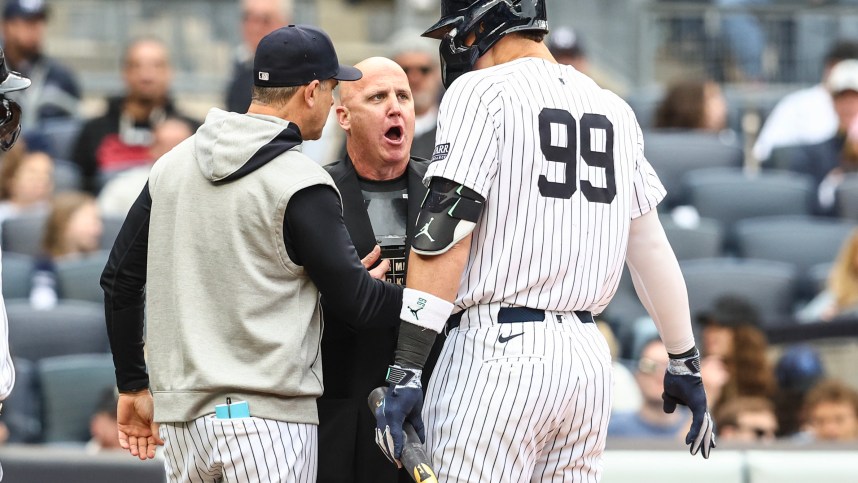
539, 191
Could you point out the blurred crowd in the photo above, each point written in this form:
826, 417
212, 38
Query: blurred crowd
66, 187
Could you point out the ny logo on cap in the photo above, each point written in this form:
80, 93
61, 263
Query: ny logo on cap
263, 76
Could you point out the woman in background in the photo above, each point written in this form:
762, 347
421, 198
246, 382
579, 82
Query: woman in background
73, 230
693, 104
840, 297
26, 182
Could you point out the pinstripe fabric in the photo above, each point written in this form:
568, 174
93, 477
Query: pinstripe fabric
530, 250
535, 408
208, 449
561, 164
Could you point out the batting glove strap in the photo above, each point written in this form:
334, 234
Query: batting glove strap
400, 376
685, 366
425, 310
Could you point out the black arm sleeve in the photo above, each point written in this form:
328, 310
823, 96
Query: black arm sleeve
123, 282
316, 237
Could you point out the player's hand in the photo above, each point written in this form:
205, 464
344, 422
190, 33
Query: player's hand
683, 385
401, 404
382, 268
137, 432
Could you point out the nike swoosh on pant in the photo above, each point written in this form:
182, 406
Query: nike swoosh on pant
503, 339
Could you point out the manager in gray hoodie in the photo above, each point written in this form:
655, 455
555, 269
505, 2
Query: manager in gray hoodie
233, 237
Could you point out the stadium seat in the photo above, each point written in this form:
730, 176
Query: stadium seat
847, 197
17, 275
112, 225
702, 241
674, 153
819, 275
61, 135
22, 410
72, 327
23, 234
767, 285
729, 195
803, 242
79, 279
71, 387
67, 176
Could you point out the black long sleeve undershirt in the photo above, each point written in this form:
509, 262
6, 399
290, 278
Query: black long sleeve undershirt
315, 236
124, 282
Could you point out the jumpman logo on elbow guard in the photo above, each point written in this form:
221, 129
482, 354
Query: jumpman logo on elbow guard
425, 230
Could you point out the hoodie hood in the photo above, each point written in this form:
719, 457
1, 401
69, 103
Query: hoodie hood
229, 146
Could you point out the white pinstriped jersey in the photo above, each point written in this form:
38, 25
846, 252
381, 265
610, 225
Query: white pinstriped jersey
560, 162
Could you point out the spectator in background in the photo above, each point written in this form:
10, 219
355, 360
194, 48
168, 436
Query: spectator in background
840, 297
258, 19
26, 182
567, 48
831, 412
418, 57
120, 139
73, 230
827, 160
745, 38
693, 104
117, 196
731, 332
102, 425
798, 369
746, 419
54, 93
806, 116
650, 421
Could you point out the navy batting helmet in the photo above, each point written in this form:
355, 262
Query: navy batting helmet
10, 111
488, 20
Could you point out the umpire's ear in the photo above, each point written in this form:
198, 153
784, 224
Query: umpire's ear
344, 117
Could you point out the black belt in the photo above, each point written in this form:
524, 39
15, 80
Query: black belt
509, 315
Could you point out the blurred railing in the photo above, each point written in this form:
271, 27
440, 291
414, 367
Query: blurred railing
777, 42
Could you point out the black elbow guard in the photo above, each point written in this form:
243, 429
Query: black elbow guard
449, 213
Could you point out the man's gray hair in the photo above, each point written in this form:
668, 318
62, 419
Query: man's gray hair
273, 96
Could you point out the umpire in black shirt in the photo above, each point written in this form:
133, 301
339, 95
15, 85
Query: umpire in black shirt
382, 189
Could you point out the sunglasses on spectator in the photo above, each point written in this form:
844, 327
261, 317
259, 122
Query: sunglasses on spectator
649, 366
423, 69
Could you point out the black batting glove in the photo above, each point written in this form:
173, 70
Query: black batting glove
683, 385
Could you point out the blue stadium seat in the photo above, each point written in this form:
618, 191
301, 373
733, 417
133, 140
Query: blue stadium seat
674, 153
17, 275
768, 285
79, 279
72, 327
71, 388
23, 234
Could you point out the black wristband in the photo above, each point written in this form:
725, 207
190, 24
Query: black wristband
689, 353
413, 345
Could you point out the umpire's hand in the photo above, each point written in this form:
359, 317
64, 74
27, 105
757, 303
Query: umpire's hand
403, 402
683, 385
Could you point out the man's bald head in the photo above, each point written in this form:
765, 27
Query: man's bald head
377, 113
372, 68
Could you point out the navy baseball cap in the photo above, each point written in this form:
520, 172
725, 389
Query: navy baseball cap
296, 55
25, 9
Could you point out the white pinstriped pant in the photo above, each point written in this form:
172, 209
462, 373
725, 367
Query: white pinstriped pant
502, 407
208, 449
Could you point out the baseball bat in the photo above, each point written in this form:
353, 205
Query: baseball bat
414, 459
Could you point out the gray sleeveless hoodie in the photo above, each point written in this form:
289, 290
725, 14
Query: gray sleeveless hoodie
228, 313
